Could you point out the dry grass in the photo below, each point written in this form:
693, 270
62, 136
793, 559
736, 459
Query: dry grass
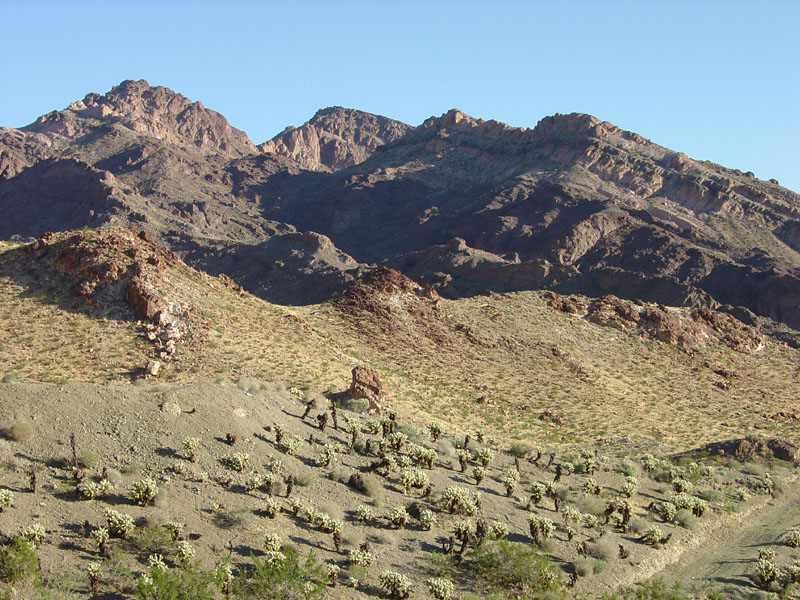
525, 357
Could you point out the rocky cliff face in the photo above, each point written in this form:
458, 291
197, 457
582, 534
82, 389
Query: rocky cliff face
335, 138
464, 205
155, 111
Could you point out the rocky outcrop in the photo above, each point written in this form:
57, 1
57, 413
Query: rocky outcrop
155, 111
366, 383
688, 329
335, 138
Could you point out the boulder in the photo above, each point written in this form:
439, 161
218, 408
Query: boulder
152, 368
367, 384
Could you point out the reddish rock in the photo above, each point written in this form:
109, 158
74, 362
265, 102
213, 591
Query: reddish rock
367, 384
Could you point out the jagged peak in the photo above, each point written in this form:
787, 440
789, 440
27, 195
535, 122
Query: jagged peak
336, 137
153, 110
453, 118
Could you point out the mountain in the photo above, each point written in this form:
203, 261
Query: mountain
335, 138
464, 205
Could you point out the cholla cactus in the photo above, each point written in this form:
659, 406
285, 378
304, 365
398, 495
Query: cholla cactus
353, 428
570, 514
272, 542
397, 440
155, 562
333, 574
143, 492
239, 461
478, 473
253, 482
425, 457
510, 480
185, 552
190, 445
296, 392
174, 528
292, 445
6, 498
440, 588
396, 584
650, 463
767, 571
436, 430
427, 519
93, 571
653, 535
363, 513
272, 507
497, 530
464, 456
666, 511
274, 558
268, 482
571, 532
541, 528
683, 501
373, 426
34, 534
484, 456
589, 520
699, 507
630, 486
458, 499
464, 530
276, 467
591, 486
88, 490
741, 494
538, 491
101, 536
682, 486
413, 477
792, 538
279, 433
119, 524
296, 506
362, 558
327, 455
397, 517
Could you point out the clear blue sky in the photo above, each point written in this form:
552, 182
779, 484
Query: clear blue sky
717, 80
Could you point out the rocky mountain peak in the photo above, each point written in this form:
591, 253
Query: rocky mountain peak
153, 110
335, 138
452, 119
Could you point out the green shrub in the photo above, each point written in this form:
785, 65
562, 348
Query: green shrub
686, 519
588, 566
278, 580
18, 560
88, 459
176, 584
514, 566
21, 431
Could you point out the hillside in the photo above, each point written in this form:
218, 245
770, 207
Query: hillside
575, 204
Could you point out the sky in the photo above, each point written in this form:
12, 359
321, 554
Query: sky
718, 81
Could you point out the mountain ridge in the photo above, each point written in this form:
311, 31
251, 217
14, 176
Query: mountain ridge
606, 209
